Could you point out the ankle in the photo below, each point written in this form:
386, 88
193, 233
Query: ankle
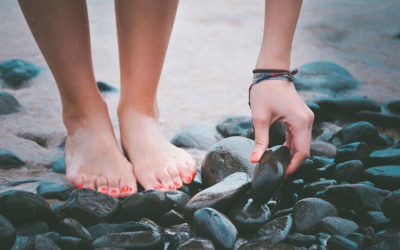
141, 109
90, 116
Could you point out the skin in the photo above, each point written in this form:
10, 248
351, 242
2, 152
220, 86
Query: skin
277, 100
93, 157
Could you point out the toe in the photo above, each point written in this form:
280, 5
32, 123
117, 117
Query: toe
102, 185
113, 188
175, 176
185, 173
150, 182
89, 182
128, 186
76, 181
165, 178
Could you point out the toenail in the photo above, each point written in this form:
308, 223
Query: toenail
177, 184
130, 189
158, 187
188, 179
170, 187
114, 191
124, 189
89, 188
194, 174
80, 186
104, 190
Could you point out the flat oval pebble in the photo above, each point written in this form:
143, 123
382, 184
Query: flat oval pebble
141, 240
108, 228
391, 206
211, 224
269, 173
147, 204
338, 242
247, 216
384, 157
386, 177
89, 207
220, 196
276, 230
197, 244
9, 160
197, 135
336, 226
352, 151
309, 211
357, 132
72, 227
226, 157
9, 104
53, 190
21, 206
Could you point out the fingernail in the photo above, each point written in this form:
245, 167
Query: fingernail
104, 190
188, 179
254, 157
114, 191
80, 186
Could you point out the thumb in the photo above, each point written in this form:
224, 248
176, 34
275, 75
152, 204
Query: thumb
261, 139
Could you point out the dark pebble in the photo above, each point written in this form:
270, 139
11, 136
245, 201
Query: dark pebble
357, 132
226, 157
269, 173
53, 190
147, 204
107, 228
359, 197
177, 240
15, 72
247, 216
32, 228
72, 227
309, 211
385, 177
7, 233
141, 240
276, 230
357, 238
66, 242
325, 77
391, 206
384, 157
235, 125
393, 106
379, 119
24, 242
321, 148
197, 244
8, 104
21, 206
178, 199
260, 243
312, 188
198, 135
59, 166
220, 196
43, 242
301, 240
349, 171
336, 226
9, 160
385, 239
352, 151
338, 242
211, 224
104, 87
376, 219
89, 207
170, 218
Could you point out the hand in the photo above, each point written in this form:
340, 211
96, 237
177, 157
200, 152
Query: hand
278, 101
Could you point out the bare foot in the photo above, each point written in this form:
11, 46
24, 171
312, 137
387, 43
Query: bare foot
93, 158
157, 163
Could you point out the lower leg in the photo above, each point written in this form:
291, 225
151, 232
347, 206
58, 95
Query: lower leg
61, 30
144, 29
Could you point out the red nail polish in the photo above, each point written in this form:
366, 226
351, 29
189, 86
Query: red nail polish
124, 189
171, 187
130, 189
177, 184
90, 188
114, 191
188, 179
80, 186
158, 187
254, 157
104, 190
194, 174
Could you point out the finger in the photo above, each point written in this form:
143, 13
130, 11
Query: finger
261, 140
296, 161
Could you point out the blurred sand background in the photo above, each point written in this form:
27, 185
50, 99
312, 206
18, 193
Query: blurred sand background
214, 47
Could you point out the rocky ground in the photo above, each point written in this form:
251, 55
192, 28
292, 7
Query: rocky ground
345, 196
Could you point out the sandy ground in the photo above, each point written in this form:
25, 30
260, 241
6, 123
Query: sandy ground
213, 49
